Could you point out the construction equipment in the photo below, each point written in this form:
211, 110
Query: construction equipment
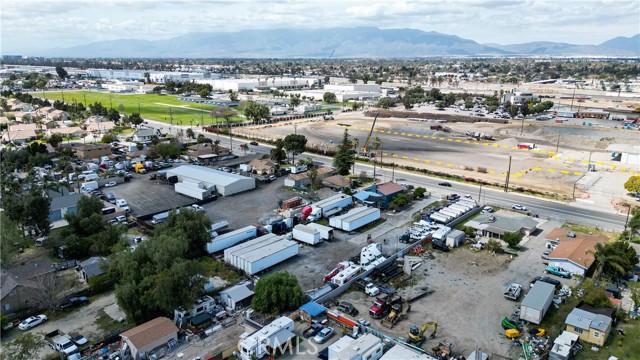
365, 149
444, 350
398, 312
509, 324
416, 335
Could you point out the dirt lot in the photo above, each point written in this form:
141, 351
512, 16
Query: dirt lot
467, 302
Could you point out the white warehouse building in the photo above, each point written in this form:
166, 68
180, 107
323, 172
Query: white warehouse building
225, 183
345, 92
261, 84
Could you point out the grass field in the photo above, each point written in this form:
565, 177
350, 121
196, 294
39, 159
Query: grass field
151, 106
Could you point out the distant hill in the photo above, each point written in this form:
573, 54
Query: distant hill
360, 42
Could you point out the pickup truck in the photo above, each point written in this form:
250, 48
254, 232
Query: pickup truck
558, 271
512, 292
61, 342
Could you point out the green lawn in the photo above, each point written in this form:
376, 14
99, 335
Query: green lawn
152, 106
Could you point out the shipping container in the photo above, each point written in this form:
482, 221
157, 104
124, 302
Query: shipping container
320, 208
306, 234
230, 239
326, 232
535, 305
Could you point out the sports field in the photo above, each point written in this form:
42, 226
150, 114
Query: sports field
151, 106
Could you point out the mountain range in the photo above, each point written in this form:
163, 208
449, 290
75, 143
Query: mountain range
359, 42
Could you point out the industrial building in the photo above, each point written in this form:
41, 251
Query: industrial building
345, 92
517, 97
266, 83
225, 183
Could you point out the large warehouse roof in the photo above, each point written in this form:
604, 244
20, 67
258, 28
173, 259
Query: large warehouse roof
202, 173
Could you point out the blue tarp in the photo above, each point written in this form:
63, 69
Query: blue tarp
313, 308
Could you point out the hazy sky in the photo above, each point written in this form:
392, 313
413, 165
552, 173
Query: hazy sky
31, 25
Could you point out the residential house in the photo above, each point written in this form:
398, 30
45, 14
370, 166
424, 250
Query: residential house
144, 135
73, 131
44, 111
386, 192
151, 339
92, 151
238, 296
100, 128
94, 266
337, 182
591, 327
21, 286
495, 225
62, 202
573, 251
263, 166
20, 133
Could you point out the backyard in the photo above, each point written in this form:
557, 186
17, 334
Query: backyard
165, 108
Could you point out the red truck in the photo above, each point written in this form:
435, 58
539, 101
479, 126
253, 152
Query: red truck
381, 307
527, 146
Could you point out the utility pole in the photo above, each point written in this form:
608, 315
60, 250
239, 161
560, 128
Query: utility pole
230, 137
572, 97
506, 183
558, 144
479, 193
393, 172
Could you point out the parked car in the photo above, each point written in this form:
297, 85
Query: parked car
110, 184
254, 143
440, 245
546, 279
347, 308
545, 254
445, 184
32, 322
519, 207
197, 207
74, 301
121, 218
323, 335
487, 209
558, 271
78, 339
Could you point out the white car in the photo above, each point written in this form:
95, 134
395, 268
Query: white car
487, 209
197, 207
519, 207
32, 322
110, 184
323, 335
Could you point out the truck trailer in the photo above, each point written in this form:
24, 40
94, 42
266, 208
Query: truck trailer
326, 233
227, 240
261, 343
267, 255
537, 302
360, 219
231, 254
306, 234
193, 190
324, 208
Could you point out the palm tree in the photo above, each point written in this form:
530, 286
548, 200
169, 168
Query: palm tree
216, 146
609, 260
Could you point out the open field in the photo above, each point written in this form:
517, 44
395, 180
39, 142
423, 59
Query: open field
151, 106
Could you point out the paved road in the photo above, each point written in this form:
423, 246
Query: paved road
545, 208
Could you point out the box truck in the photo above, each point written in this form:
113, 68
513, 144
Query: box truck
306, 234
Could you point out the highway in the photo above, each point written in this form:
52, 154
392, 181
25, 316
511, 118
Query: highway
489, 196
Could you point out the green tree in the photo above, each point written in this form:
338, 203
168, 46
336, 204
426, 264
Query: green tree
512, 239
356, 105
276, 293
313, 177
386, 103
257, 112
295, 101
204, 93
108, 138
9, 233
329, 97
55, 140
244, 147
345, 156
419, 192
632, 185
233, 95
37, 211
278, 154
135, 119
62, 73
612, 259
87, 220
190, 133
194, 225
113, 115
25, 347
165, 150
295, 144
216, 146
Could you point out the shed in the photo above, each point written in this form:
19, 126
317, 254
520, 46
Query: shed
225, 183
311, 310
91, 267
237, 296
537, 302
455, 238
150, 338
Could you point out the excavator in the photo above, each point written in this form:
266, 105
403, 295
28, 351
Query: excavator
365, 149
416, 335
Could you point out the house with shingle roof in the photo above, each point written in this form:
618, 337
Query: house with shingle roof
21, 286
591, 327
496, 225
383, 194
152, 337
574, 252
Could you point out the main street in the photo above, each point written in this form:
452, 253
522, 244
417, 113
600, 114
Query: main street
545, 208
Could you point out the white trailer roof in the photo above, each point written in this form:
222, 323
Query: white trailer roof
319, 227
267, 250
360, 214
249, 245
305, 228
538, 296
330, 200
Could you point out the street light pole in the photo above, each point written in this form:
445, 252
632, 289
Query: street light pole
506, 182
558, 144
479, 193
